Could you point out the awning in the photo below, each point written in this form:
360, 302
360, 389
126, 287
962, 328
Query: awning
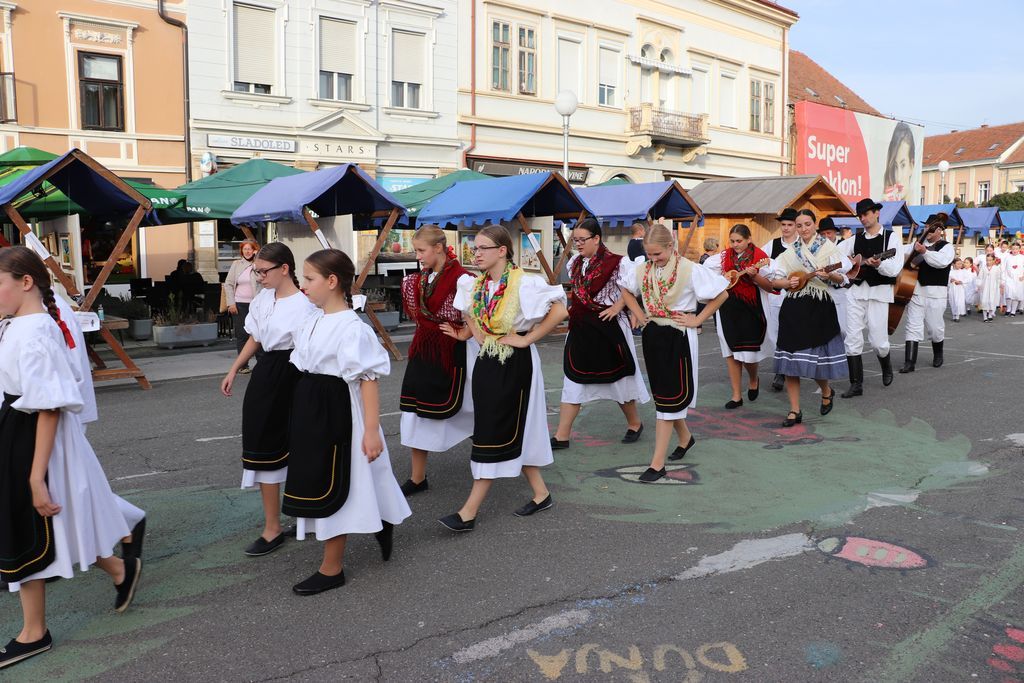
921, 213
219, 195
626, 203
26, 156
979, 221
336, 191
892, 213
501, 199
416, 197
1013, 220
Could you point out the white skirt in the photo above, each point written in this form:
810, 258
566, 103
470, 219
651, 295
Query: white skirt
253, 478
90, 522
536, 440
621, 391
694, 342
990, 298
1014, 288
373, 495
957, 300
438, 436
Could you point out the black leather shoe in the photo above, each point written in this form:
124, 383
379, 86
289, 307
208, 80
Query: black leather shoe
261, 546
798, 417
15, 652
318, 583
557, 445
733, 405
410, 487
532, 507
134, 547
826, 408
886, 363
454, 522
680, 451
385, 537
652, 475
126, 589
633, 435
937, 354
752, 394
778, 382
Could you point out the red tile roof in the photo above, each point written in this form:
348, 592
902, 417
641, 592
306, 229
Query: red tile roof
987, 142
809, 81
775, 5
1017, 157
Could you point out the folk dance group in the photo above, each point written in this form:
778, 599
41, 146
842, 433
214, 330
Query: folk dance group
312, 441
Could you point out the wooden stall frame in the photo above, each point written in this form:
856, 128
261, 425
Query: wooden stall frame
101, 373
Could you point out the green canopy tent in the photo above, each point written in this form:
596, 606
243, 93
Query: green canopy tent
219, 195
416, 197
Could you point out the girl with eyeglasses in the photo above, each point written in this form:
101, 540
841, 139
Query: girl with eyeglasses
507, 311
599, 360
275, 315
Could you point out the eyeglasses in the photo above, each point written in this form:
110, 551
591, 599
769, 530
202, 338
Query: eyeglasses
477, 250
580, 241
261, 272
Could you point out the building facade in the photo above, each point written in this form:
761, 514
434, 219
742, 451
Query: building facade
983, 162
689, 90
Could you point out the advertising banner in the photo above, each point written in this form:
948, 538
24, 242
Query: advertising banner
858, 154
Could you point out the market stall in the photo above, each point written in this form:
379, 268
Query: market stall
892, 214
977, 227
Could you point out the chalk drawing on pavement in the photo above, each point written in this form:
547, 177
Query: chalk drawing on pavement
874, 554
674, 474
1007, 657
592, 660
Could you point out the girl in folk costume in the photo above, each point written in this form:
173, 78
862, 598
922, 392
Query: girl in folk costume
1013, 280
970, 279
275, 316
810, 341
742, 320
955, 291
990, 287
437, 412
671, 286
56, 507
339, 474
599, 360
507, 311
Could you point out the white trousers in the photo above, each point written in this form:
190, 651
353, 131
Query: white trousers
925, 313
864, 314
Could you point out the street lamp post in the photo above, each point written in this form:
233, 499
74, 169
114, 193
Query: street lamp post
943, 170
565, 104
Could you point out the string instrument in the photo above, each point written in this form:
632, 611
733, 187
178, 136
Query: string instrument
733, 276
906, 284
858, 261
805, 277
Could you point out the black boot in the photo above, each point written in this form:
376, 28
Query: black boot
936, 354
856, 366
909, 358
886, 363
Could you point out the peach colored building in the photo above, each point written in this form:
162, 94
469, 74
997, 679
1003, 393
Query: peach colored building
105, 76
983, 162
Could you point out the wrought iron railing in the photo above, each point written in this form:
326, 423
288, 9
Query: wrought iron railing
663, 123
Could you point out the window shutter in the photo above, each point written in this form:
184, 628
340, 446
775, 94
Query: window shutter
337, 46
408, 57
255, 45
727, 101
609, 67
569, 67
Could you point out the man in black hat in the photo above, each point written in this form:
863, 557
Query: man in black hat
934, 257
870, 294
775, 248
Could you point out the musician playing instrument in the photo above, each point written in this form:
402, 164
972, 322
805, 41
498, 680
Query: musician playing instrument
933, 256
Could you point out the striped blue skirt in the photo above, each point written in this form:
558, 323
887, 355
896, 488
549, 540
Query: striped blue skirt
810, 343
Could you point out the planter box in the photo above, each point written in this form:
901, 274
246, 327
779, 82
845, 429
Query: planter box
178, 336
140, 329
389, 319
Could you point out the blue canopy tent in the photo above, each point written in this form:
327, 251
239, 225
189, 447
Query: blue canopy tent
100, 192
1012, 221
498, 200
892, 214
923, 211
336, 191
979, 221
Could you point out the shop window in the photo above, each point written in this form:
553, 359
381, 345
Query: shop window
101, 91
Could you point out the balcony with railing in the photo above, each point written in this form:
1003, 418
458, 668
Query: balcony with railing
673, 127
8, 109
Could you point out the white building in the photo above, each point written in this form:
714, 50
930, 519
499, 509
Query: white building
313, 83
688, 89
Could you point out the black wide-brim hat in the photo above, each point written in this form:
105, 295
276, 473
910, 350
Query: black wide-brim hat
867, 204
827, 223
787, 215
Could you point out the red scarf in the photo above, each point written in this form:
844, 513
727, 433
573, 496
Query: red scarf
429, 304
745, 290
586, 286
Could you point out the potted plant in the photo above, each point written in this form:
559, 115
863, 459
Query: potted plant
140, 319
180, 326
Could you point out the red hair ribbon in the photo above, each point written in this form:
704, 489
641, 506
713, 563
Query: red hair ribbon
451, 252
68, 338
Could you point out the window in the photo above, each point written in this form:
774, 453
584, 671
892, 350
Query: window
922, 194
727, 100
501, 50
254, 50
755, 105
961, 191
527, 61
646, 52
700, 98
665, 83
407, 69
569, 66
101, 91
608, 80
982, 193
1018, 186
769, 108
337, 59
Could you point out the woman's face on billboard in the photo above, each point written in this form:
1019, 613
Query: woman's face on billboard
903, 168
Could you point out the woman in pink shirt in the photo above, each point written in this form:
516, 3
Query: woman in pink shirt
240, 288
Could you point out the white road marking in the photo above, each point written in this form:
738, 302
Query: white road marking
492, 647
218, 438
390, 414
747, 554
138, 476
1016, 439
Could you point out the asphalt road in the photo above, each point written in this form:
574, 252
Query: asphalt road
882, 543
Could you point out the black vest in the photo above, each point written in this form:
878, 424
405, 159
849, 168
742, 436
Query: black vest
868, 248
778, 248
934, 277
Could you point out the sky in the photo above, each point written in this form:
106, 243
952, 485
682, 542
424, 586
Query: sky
946, 64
